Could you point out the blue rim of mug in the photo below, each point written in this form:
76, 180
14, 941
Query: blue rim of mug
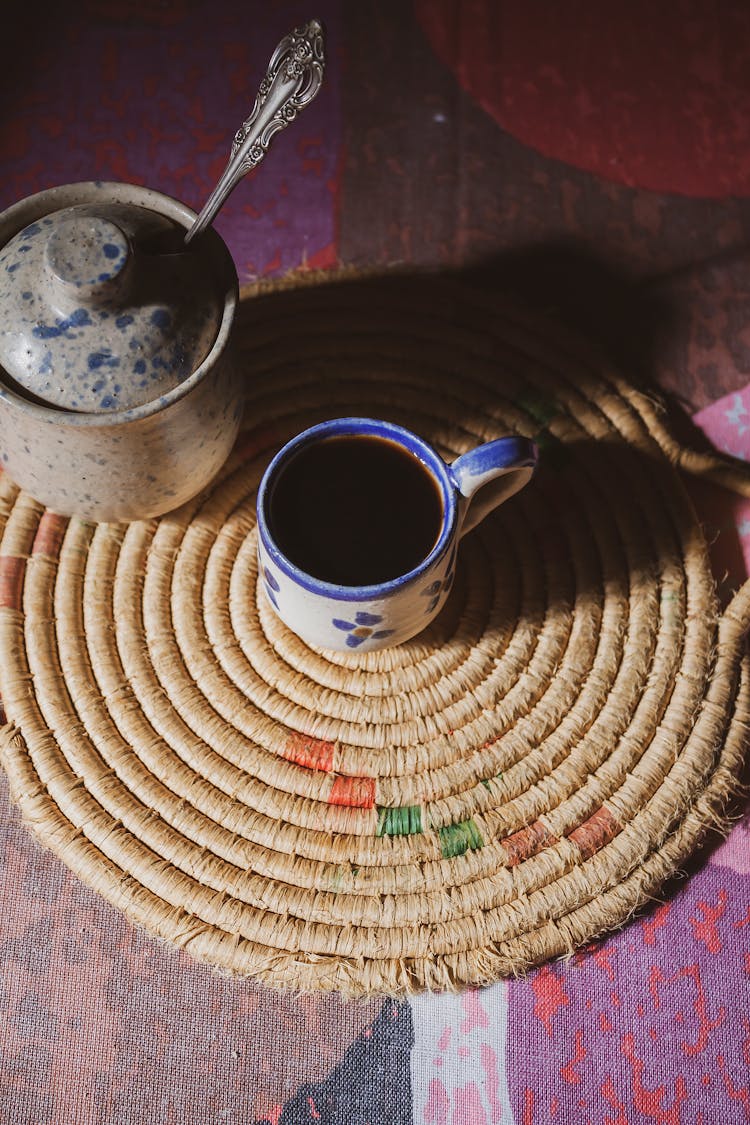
352, 426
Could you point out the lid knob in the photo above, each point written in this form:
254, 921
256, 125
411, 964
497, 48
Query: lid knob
87, 259
93, 318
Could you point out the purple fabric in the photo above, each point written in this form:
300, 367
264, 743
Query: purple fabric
643, 1027
153, 96
438, 141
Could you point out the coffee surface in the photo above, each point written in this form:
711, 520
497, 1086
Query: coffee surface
355, 510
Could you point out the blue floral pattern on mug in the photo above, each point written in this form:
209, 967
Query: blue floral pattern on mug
361, 628
272, 586
365, 618
440, 586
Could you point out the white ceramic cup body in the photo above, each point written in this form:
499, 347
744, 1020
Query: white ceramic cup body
136, 463
365, 618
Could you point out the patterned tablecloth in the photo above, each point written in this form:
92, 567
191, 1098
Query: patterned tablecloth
598, 166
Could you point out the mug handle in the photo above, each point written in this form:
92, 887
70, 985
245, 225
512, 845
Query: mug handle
496, 470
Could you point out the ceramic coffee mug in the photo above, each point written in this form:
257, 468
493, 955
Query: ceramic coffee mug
359, 522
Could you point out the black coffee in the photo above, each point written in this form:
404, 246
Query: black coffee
356, 511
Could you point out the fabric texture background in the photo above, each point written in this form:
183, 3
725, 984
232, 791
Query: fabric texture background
478, 142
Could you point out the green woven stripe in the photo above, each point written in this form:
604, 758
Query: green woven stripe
455, 839
405, 820
542, 410
338, 875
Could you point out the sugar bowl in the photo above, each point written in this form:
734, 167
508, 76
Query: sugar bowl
118, 396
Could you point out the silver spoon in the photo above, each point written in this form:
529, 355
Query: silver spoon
293, 78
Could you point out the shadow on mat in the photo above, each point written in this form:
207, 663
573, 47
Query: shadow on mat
560, 299
605, 519
568, 304
565, 283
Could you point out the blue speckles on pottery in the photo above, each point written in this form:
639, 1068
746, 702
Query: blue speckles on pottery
63, 326
102, 300
101, 359
74, 253
161, 318
118, 396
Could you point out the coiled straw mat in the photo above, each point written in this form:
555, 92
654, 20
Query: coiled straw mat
511, 783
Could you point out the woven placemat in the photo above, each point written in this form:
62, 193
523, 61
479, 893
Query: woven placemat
511, 783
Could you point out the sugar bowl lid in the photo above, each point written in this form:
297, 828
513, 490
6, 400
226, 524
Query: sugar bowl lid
103, 308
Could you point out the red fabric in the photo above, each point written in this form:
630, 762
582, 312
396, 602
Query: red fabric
648, 95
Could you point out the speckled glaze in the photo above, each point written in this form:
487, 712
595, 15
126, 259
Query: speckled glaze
94, 317
366, 618
116, 422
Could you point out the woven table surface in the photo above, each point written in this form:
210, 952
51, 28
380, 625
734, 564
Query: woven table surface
496, 792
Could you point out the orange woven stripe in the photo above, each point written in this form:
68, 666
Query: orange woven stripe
12, 570
312, 753
49, 535
595, 832
356, 792
527, 842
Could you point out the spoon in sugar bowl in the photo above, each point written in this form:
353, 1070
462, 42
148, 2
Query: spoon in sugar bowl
293, 78
119, 397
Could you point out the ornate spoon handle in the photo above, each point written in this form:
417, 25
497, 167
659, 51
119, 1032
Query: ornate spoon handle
293, 78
